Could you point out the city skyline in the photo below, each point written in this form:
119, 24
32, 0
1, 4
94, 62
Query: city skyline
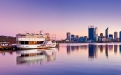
59, 16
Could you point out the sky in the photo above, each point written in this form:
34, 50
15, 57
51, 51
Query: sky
59, 16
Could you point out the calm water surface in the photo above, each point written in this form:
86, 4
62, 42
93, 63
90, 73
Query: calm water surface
66, 60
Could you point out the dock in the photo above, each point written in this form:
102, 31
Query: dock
8, 46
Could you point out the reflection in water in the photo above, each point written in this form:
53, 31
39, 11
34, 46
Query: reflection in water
115, 48
3, 53
110, 47
72, 48
35, 56
120, 48
101, 48
11, 52
77, 47
92, 51
68, 49
106, 50
84, 47
73, 64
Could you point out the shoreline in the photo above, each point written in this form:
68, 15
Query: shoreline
88, 42
115, 43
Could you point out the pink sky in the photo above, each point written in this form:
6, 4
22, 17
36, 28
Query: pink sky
57, 18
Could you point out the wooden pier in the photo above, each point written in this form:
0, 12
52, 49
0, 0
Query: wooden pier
7, 46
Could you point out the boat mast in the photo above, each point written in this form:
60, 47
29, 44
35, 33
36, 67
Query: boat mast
40, 31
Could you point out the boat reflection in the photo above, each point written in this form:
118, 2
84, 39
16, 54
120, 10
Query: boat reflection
35, 56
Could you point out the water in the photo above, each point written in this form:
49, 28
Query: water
66, 60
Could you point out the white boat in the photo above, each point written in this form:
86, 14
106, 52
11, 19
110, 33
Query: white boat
34, 41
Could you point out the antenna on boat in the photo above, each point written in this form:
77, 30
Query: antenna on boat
25, 32
40, 31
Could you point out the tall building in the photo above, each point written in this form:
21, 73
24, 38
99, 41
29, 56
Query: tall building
101, 36
120, 35
81, 39
77, 37
96, 34
91, 33
110, 37
68, 36
115, 35
106, 33
85, 38
72, 37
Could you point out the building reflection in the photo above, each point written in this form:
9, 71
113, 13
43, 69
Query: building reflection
68, 49
75, 48
101, 48
120, 48
106, 50
92, 51
115, 48
84, 47
35, 56
72, 48
110, 47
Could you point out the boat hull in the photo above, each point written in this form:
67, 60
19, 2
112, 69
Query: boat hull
33, 47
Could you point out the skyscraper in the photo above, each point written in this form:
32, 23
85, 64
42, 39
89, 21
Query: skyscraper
96, 34
68, 36
106, 33
115, 35
101, 36
77, 37
120, 35
110, 37
72, 37
91, 33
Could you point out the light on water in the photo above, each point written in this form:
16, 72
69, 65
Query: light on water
68, 59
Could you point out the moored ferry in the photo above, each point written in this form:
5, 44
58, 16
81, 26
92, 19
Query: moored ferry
34, 41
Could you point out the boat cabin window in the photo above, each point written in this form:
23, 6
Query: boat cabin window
30, 42
40, 42
26, 42
31, 54
21, 42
